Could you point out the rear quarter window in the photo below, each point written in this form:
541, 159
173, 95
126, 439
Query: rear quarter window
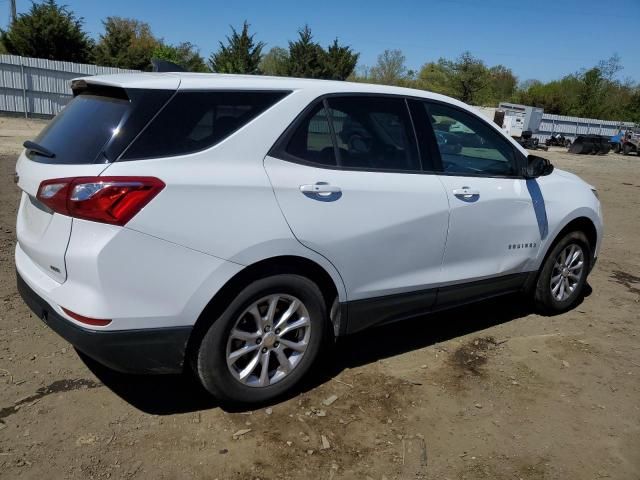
195, 120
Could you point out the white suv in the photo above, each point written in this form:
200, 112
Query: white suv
231, 224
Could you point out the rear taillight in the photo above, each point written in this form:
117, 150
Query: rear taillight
114, 200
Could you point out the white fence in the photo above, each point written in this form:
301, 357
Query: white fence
38, 87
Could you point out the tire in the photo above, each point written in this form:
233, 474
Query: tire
223, 379
545, 295
626, 149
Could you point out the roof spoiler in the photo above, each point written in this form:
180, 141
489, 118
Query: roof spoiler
165, 66
81, 85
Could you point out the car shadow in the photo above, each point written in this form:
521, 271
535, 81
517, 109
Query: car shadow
169, 394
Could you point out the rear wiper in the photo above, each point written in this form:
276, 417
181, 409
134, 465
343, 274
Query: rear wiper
39, 149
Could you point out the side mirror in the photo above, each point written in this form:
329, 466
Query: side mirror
538, 167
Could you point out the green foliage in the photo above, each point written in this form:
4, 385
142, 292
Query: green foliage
241, 54
307, 59
502, 84
340, 61
126, 43
436, 77
469, 76
49, 31
593, 93
466, 78
631, 108
556, 97
275, 62
184, 54
390, 69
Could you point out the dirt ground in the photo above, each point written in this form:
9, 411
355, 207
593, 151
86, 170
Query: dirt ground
490, 391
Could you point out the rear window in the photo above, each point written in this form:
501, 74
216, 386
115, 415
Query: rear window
80, 131
196, 120
98, 124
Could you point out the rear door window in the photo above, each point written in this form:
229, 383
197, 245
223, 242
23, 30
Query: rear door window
373, 133
312, 142
195, 120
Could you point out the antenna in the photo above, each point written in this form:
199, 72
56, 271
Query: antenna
13, 14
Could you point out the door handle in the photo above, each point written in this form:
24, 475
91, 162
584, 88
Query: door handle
466, 193
320, 188
321, 191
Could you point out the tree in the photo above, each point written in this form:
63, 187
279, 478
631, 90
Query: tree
126, 43
390, 69
48, 31
469, 77
184, 54
557, 97
340, 61
275, 62
631, 109
590, 93
593, 92
306, 57
502, 85
241, 54
597, 89
436, 77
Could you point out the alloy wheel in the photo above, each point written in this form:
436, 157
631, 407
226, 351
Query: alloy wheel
567, 272
268, 340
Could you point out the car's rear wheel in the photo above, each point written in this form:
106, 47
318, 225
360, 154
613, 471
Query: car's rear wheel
265, 341
563, 274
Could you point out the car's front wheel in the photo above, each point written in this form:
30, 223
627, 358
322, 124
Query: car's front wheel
265, 341
563, 274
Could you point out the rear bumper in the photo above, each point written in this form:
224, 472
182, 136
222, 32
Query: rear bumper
149, 350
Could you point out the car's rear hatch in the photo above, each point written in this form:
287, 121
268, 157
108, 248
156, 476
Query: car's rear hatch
90, 132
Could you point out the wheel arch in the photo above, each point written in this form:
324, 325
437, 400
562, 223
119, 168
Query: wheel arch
582, 224
579, 223
291, 264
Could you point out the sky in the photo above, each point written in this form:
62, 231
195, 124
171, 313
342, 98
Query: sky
541, 39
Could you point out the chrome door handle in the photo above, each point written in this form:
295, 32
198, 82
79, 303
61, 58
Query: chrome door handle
322, 191
466, 193
320, 188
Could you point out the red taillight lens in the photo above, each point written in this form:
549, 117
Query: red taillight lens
113, 200
99, 322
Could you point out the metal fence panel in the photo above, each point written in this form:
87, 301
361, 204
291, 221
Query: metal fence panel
571, 127
35, 86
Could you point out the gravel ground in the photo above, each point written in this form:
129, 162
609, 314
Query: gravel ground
489, 391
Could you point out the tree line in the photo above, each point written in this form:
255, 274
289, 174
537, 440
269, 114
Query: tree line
593, 92
52, 31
